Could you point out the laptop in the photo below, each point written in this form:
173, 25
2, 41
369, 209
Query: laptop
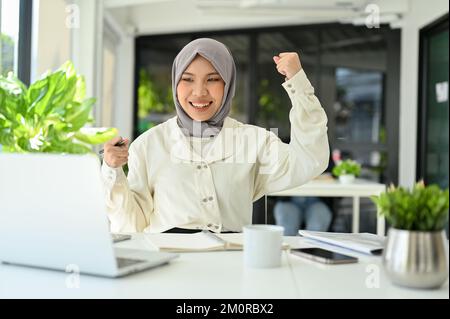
53, 216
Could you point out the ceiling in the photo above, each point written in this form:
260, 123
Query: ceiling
345, 45
149, 17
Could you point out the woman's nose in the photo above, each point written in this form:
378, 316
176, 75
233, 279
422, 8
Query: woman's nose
200, 89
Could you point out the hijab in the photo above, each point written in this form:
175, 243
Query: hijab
222, 60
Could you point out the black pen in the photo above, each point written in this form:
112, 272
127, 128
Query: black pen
119, 143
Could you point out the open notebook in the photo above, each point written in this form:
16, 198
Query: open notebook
201, 241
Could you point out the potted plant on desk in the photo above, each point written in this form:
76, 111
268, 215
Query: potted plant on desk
346, 171
415, 254
49, 116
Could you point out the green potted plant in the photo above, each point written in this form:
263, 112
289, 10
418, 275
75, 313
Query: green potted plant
49, 116
415, 253
347, 170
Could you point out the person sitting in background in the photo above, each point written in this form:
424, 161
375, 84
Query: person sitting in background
311, 211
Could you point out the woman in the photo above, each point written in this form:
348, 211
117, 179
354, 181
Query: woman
202, 169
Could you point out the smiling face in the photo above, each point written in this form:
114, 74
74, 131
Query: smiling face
200, 90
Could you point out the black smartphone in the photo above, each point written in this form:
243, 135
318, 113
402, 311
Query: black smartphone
324, 256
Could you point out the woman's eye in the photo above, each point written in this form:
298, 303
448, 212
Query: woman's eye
187, 79
213, 79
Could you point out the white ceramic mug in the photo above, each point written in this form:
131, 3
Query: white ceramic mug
262, 246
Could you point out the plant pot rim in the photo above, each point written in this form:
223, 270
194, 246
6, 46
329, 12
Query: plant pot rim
416, 231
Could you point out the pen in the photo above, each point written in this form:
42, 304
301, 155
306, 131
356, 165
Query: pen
120, 143
214, 236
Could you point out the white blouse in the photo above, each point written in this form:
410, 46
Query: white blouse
171, 183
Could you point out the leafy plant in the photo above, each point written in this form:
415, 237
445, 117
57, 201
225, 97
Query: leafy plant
153, 96
347, 167
270, 103
424, 208
49, 116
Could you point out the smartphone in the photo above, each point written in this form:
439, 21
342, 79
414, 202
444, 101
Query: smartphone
324, 256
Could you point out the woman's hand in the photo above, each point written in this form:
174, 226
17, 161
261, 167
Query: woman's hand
288, 64
116, 155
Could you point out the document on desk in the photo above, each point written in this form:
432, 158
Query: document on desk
362, 242
201, 241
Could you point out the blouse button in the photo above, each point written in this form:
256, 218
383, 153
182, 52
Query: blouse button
289, 85
205, 200
210, 198
199, 167
292, 91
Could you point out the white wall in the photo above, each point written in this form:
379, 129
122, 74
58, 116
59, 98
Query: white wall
421, 14
123, 112
51, 38
121, 100
87, 49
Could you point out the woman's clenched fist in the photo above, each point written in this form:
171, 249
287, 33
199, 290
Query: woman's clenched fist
116, 152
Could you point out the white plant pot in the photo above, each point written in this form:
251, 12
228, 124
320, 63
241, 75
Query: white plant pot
347, 179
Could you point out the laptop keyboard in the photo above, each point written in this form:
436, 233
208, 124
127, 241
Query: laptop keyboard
124, 262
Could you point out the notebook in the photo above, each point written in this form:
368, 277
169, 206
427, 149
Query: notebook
201, 241
362, 242
197, 242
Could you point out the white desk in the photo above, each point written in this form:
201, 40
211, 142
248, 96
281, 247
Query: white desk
333, 188
216, 275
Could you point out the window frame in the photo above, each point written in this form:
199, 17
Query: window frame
24, 50
425, 34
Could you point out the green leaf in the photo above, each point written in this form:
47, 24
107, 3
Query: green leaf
41, 93
12, 97
36, 93
64, 96
80, 89
12, 85
6, 137
96, 135
347, 167
24, 144
78, 114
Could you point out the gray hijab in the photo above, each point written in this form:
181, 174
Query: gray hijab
221, 59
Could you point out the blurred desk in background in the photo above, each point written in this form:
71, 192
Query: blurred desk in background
326, 186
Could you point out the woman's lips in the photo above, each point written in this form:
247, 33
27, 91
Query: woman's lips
200, 106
